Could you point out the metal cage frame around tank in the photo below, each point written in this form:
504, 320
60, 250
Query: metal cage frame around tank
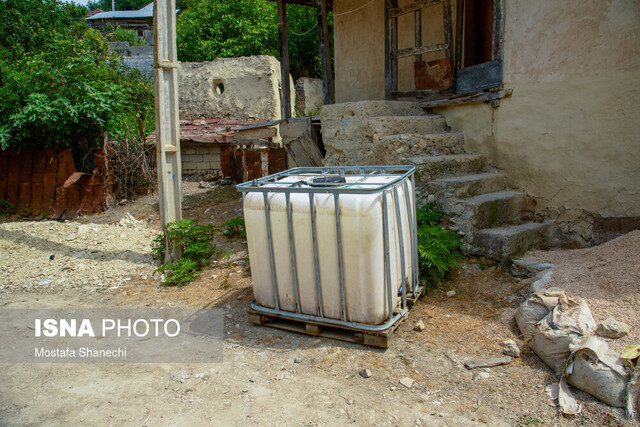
402, 174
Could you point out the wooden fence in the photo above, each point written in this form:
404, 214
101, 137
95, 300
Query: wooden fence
47, 182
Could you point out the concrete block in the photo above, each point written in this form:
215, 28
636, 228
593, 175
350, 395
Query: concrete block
295, 127
309, 96
258, 133
244, 88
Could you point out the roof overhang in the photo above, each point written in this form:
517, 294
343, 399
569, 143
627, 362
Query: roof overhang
311, 3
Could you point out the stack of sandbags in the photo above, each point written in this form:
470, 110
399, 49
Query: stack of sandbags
561, 331
567, 322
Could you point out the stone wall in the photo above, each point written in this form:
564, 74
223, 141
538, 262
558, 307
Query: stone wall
246, 88
138, 57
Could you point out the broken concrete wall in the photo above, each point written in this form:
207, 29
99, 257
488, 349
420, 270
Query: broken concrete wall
309, 96
569, 135
244, 88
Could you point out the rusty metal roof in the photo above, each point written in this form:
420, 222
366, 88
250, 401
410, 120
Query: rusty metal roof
213, 130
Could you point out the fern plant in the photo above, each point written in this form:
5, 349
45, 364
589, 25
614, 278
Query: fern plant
438, 248
196, 242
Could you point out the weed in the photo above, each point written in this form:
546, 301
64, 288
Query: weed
526, 420
438, 249
225, 283
195, 241
7, 207
235, 226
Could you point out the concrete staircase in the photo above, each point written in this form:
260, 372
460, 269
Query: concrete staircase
494, 220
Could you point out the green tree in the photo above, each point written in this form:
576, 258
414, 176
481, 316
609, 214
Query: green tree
209, 29
63, 88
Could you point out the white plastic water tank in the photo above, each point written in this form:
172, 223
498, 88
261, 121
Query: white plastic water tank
364, 263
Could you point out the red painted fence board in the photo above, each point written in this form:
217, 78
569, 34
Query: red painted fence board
49, 187
13, 178
24, 190
34, 181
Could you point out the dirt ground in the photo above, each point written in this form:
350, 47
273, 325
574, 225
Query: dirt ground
259, 381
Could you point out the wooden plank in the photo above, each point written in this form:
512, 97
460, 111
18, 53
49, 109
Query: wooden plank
98, 198
468, 99
4, 169
419, 93
283, 39
479, 77
412, 51
37, 181
328, 91
412, 7
49, 189
457, 63
257, 133
381, 339
446, 20
24, 192
498, 30
304, 151
487, 363
394, 61
73, 200
60, 201
13, 178
388, 77
86, 194
418, 30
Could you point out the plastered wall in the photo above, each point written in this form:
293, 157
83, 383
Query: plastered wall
570, 134
245, 88
359, 46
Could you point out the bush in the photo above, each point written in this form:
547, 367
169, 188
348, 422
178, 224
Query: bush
235, 227
195, 240
438, 249
59, 84
119, 34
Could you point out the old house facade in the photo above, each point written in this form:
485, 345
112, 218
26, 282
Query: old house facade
551, 90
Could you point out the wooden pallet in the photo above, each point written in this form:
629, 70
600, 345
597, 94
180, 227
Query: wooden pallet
320, 329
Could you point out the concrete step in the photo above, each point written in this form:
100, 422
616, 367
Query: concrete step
487, 210
372, 109
433, 144
468, 185
505, 242
434, 167
347, 129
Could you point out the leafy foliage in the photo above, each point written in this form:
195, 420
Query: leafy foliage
235, 227
438, 249
209, 29
59, 84
195, 240
119, 34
